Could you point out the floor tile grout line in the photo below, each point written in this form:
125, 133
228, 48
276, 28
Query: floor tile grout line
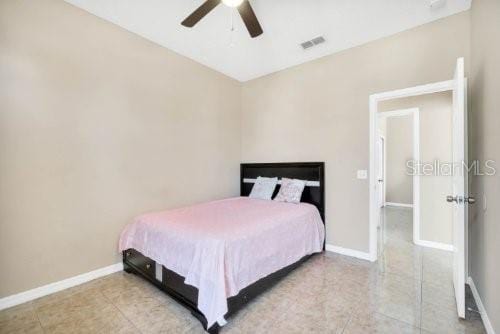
421, 291
421, 301
37, 317
120, 311
400, 275
398, 320
429, 263
32, 306
418, 280
347, 323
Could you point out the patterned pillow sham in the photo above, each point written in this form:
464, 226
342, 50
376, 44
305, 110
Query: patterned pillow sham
291, 190
264, 188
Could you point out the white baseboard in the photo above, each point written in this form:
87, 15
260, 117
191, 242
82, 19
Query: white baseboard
432, 244
349, 252
484, 316
404, 205
48, 289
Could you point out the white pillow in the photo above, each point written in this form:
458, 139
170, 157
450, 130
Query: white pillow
264, 187
290, 191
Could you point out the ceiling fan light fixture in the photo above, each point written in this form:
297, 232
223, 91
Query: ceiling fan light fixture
232, 3
243, 7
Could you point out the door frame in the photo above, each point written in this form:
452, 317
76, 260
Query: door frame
384, 164
415, 113
374, 99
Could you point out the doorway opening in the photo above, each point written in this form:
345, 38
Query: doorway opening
458, 192
398, 133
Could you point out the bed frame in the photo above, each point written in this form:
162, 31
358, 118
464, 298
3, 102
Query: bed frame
187, 295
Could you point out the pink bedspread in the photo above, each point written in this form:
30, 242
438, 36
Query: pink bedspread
223, 246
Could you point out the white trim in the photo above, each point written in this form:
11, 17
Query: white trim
384, 184
397, 113
466, 159
349, 252
404, 205
436, 87
416, 178
433, 244
308, 183
48, 289
484, 316
373, 206
374, 99
383, 161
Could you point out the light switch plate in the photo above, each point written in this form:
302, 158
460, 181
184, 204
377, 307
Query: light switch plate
362, 174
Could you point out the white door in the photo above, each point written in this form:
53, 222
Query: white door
458, 197
381, 170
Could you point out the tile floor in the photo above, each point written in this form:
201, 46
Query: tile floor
409, 290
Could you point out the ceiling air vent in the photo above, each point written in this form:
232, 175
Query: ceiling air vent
313, 42
307, 45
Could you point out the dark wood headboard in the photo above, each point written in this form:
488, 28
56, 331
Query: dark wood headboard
314, 172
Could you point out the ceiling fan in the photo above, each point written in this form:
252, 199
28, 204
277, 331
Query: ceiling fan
243, 7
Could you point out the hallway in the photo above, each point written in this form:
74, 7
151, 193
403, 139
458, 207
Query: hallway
430, 269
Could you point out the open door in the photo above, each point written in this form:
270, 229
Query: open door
458, 198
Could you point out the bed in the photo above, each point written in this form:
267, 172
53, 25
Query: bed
204, 255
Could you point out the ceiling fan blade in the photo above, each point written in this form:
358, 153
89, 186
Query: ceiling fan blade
249, 18
200, 13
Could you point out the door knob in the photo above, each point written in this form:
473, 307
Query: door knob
380, 180
460, 199
470, 200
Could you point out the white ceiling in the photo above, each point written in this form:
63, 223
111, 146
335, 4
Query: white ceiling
286, 23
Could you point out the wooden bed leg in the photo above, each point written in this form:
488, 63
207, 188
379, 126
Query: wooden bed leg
214, 329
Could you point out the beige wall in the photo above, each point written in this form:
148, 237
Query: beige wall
96, 126
484, 115
319, 111
435, 145
399, 149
